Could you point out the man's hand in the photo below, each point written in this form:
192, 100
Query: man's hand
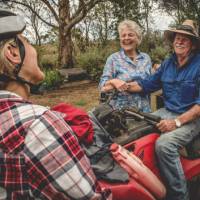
134, 87
166, 125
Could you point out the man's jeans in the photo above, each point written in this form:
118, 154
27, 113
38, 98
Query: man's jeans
167, 151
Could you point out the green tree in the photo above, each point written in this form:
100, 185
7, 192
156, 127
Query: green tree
146, 7
181, 9
62, 15
126, 9
96, 26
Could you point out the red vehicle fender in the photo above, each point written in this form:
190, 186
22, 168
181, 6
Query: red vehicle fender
144, 148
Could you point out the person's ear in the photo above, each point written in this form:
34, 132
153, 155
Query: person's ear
194, 45
12, 54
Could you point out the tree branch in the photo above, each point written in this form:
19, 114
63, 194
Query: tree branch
33, 11
54, 3
81, 12
51, 9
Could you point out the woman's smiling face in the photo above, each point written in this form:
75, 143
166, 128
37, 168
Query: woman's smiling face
128, 39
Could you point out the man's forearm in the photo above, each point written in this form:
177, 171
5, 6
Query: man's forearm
190, 115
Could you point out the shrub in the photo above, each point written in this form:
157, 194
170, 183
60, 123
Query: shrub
48, 55
158, 54
153, 44
52, 80
49, 61
93, 60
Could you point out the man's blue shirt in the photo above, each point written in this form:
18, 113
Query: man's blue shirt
181, 86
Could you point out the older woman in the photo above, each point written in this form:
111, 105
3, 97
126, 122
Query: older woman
39, 153
125, 66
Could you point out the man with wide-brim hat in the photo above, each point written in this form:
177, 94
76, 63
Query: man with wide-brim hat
179, 78
189, 28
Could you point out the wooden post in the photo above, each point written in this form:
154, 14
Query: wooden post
156, 100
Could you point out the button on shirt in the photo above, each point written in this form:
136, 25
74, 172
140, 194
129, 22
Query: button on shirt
120, 66
181, 86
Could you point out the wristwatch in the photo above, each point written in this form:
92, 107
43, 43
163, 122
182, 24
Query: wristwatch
178, 123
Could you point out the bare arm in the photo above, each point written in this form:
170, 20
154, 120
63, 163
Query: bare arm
107, 87
190, 115
117, 84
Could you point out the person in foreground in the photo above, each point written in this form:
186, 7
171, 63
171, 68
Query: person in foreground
125, 66
179, 78
40, 157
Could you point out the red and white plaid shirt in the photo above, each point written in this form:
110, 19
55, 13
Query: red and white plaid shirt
40, 156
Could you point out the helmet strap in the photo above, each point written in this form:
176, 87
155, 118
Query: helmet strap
5, 78
22, 56
19, 66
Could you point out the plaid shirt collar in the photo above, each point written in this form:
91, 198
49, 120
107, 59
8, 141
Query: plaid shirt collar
10, 96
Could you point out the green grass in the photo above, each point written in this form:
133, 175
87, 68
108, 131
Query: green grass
81, 102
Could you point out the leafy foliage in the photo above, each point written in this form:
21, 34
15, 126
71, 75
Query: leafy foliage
153, 44
94, 58
48, 55
158, 54
181, 9
53, 79
128, 9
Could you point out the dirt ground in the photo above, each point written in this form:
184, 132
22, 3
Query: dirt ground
80, 94
84, 94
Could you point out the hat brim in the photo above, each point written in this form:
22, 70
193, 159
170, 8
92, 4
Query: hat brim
170, 33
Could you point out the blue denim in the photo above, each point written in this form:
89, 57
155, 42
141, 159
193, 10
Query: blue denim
167, 151
180, 85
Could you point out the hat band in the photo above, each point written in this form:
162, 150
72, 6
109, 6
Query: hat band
186, 28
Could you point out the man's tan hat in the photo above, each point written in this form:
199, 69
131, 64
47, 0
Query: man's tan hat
188, 27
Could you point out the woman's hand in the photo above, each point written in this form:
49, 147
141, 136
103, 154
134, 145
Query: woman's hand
119, 85
166, 125
134, 87
107, 88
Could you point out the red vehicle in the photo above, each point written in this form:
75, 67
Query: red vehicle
139, 159
143, 148
140, 187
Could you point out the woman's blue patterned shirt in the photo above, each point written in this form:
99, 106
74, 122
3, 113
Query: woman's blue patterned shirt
119, 65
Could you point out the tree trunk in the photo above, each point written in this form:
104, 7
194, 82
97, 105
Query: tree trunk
65, 58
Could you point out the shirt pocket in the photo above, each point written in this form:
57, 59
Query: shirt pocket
168, 89
188, 91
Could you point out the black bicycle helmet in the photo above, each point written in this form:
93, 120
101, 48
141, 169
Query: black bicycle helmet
10, 26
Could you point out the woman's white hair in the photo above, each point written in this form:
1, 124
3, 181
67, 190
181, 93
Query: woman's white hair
133, 26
